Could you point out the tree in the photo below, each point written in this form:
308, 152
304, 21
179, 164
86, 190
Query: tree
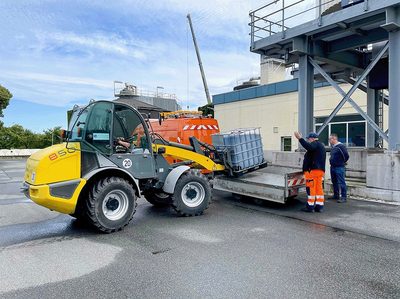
17, 137
50, 136
5, 96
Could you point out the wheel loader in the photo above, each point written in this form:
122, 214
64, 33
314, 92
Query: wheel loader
111, 157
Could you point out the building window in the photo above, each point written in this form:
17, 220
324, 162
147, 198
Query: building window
356, 134
351, 130
286, 144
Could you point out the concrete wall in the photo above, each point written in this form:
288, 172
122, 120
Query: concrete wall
383, 171
17, 152
356, 167
277, 115
357, 164
272, 70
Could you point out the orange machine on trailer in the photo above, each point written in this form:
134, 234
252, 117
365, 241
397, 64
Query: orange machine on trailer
180, 125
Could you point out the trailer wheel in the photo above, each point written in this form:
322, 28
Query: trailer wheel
192, 194
111, 204
158, 199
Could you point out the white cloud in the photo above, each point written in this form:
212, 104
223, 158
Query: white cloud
212, 18
51, 78
70, 57
95, 42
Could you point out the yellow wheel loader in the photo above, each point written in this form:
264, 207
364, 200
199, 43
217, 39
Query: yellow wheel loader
108, 160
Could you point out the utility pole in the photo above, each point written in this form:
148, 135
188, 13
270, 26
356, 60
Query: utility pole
203, 76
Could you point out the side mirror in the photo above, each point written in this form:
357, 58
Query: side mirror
161, 150
159, 119
64, 134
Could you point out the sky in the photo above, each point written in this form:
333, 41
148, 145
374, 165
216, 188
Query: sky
57, 53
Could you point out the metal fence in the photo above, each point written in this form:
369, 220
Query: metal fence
279, 15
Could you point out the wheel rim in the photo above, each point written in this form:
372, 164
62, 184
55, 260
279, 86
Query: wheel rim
193, 194
115, 205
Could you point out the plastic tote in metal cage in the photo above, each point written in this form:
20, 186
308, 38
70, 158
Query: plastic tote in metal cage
242, 149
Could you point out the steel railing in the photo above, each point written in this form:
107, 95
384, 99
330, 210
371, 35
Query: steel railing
279, 15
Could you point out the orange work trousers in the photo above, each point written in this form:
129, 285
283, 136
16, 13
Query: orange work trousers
314, 184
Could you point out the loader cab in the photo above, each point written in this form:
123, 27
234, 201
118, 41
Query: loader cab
100, 125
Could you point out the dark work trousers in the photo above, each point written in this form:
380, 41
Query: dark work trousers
338, 175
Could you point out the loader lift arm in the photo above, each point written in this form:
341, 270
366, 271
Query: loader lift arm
200, 160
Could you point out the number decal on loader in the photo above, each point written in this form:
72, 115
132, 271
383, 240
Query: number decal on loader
53, 156
60, 153
127, 163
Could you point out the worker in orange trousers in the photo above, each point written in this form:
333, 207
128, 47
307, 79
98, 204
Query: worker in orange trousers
314, 171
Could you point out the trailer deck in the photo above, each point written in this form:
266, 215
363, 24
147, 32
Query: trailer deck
273, 183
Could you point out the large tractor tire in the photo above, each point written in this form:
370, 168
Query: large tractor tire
192, 194
158, 199
111, 204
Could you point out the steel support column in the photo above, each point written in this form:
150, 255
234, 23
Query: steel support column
372, 111
306, 95
394, 90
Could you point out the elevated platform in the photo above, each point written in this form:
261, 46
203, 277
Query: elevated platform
353, 42
340, 38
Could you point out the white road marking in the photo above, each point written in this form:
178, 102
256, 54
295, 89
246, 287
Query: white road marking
193, 235
257, 230
25, 265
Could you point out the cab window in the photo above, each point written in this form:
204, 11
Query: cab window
98, 127
128, 125
77, 123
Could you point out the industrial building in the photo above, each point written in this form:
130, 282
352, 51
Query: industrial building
344, 59
147, 102
273, 107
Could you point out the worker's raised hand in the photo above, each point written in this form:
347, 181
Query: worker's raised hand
298, 135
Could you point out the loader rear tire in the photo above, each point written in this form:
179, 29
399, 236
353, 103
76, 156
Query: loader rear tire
158, 199
192, 194
111, 204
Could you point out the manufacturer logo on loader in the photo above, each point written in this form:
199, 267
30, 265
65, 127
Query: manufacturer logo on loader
127, 163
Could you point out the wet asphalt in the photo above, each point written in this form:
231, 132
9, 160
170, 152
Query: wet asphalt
237, 249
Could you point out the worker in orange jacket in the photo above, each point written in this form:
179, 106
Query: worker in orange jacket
314, 171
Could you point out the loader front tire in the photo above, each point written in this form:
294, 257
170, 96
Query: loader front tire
111, 204
192, 194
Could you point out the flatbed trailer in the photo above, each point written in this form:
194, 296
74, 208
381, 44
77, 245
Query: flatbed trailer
272, 183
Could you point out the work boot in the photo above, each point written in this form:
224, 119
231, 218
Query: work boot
319, 209
342, 200
334, 197
308, 210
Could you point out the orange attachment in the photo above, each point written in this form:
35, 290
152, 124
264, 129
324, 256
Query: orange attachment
180, 129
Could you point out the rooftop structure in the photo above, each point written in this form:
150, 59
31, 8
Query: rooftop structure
146, 101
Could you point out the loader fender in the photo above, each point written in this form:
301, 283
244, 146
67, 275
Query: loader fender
115, 171
172, 178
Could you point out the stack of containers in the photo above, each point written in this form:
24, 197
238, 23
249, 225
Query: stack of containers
243, 146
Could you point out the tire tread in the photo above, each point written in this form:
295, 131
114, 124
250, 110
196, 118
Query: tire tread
175, 199
94, 196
